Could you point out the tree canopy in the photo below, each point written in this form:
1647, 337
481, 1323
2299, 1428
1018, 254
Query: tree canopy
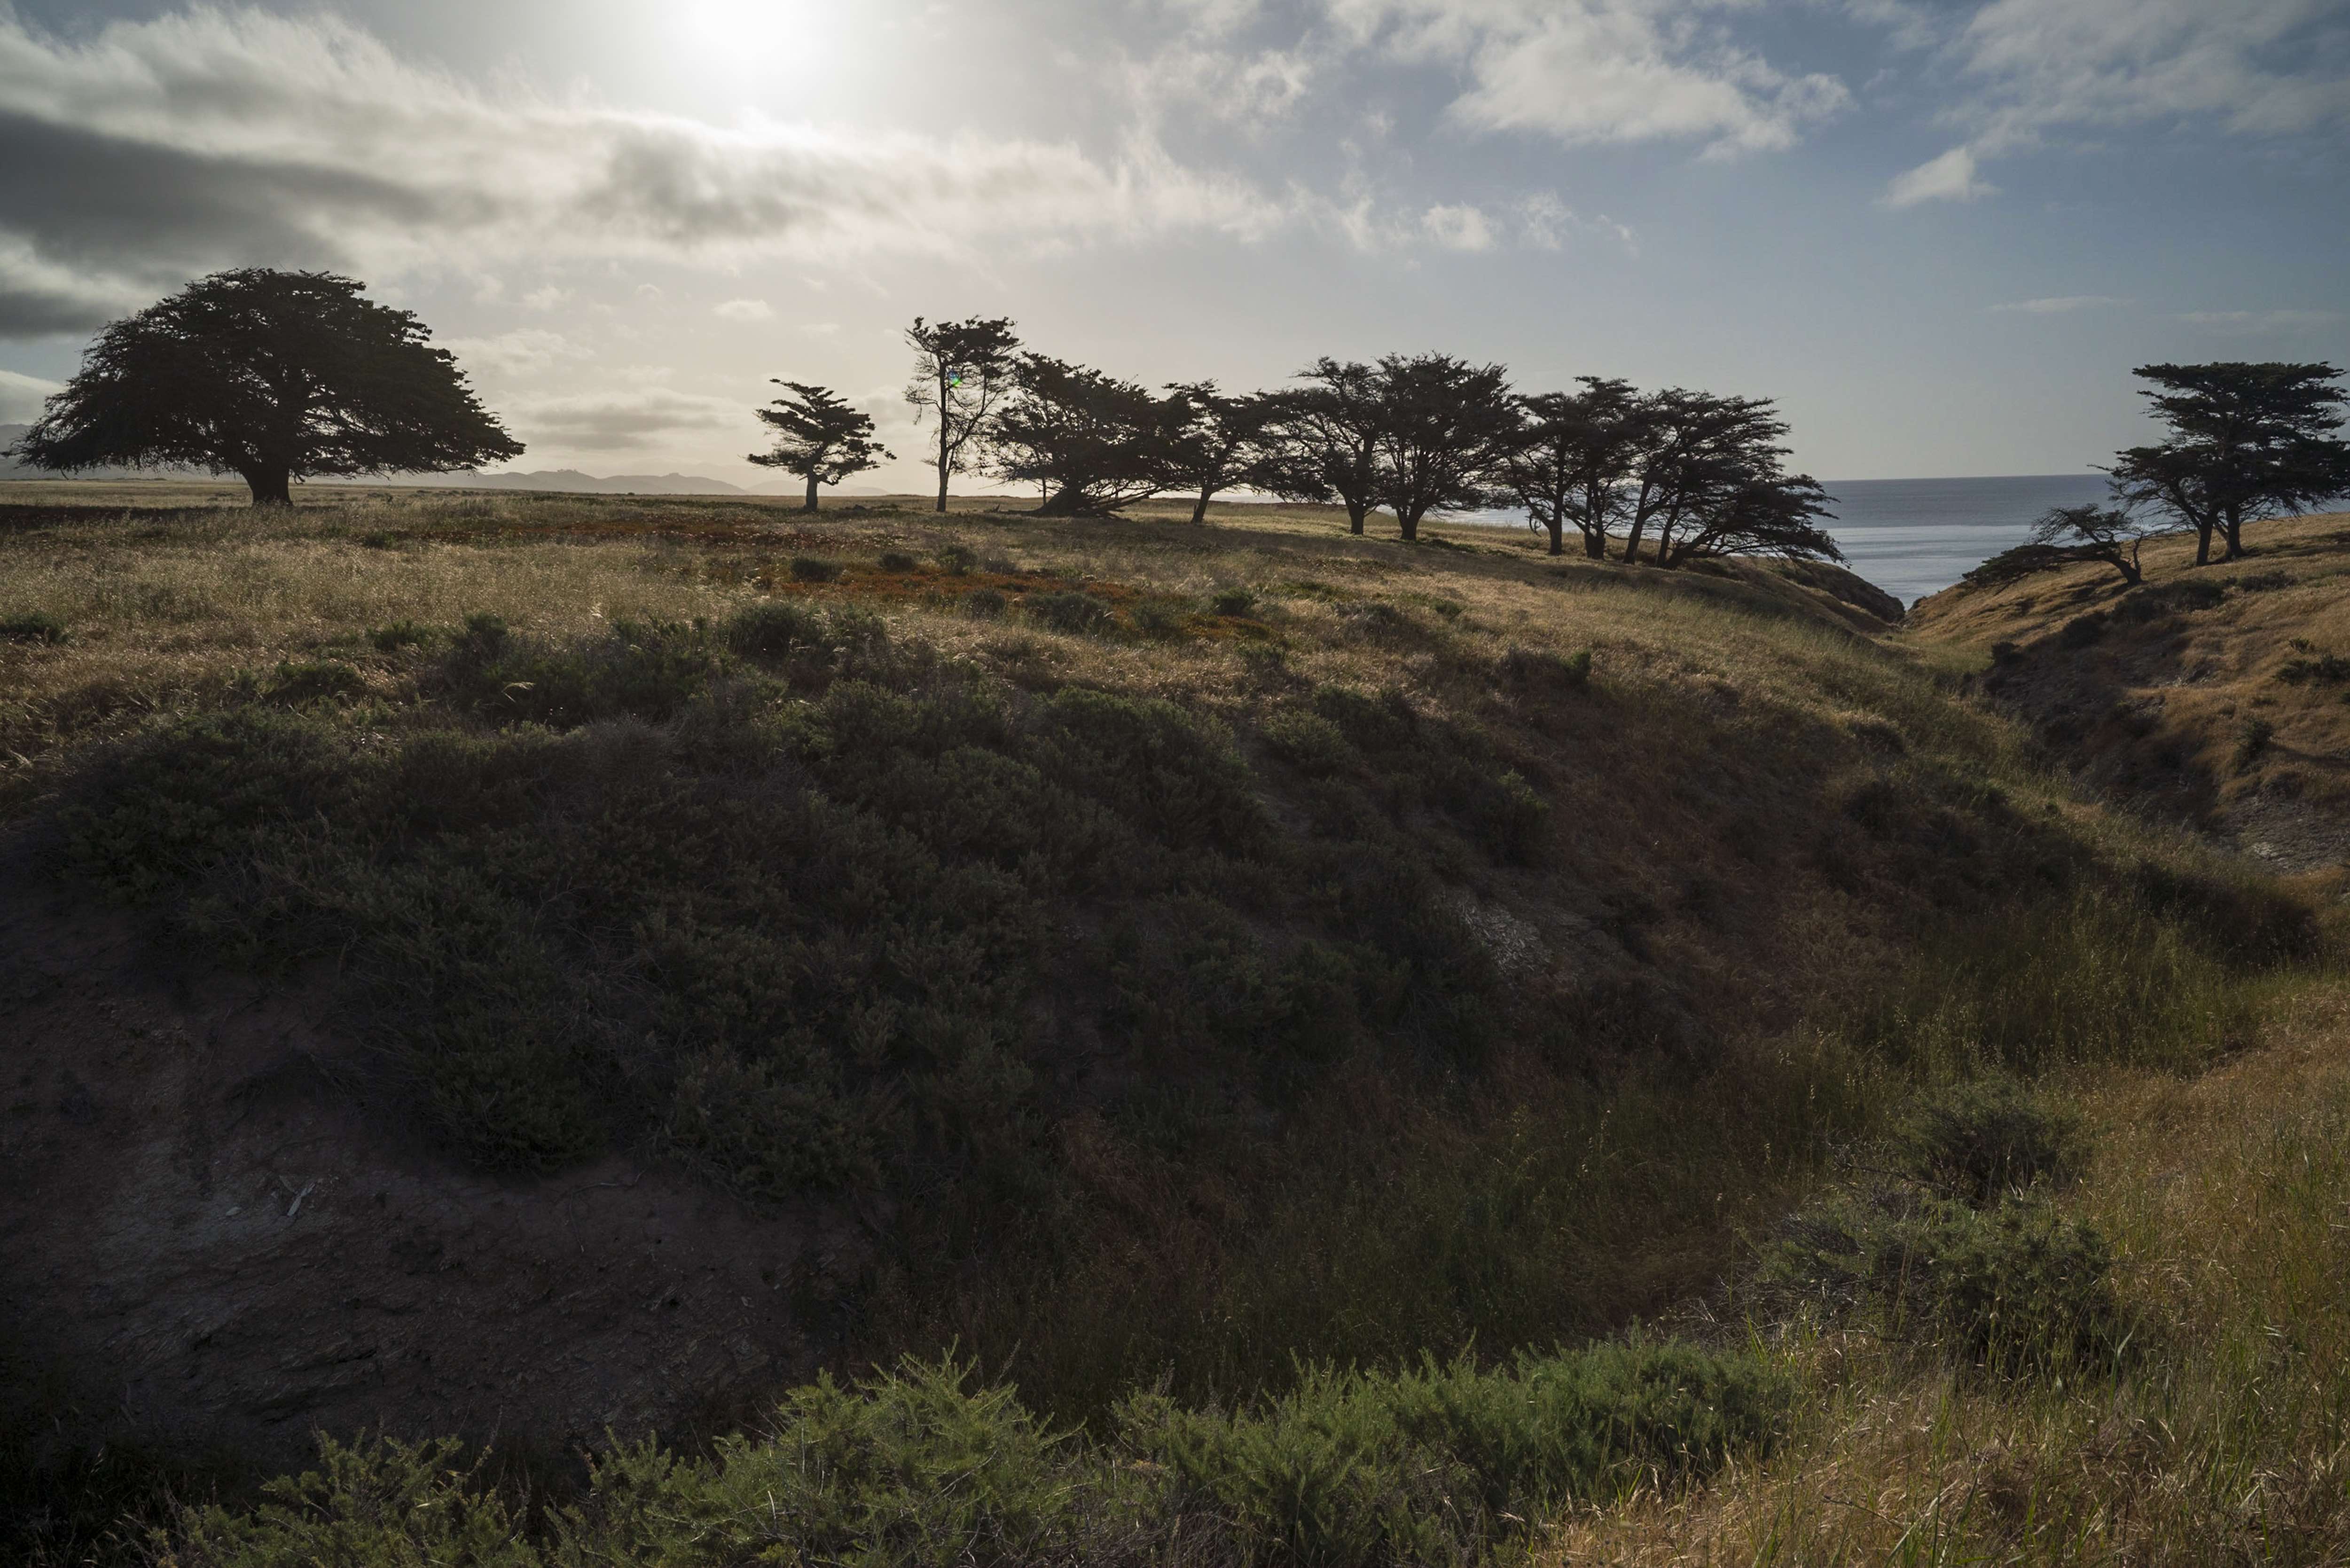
1445, 427
2245, 442
964, 372
1574, 457
1094, 444
273, 377
1322, 439
819, 436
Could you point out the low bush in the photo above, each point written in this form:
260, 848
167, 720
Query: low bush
1979, 1141
646, 671
1234, 601
1067, 609
1158, 618
1535, 667
2081, 631
2252, 738
956, 560
2017, 1286
1308, 742
816, 569
400, 634
898, 561
32, 626
985, 604
773, 628
2331, 667
297, 681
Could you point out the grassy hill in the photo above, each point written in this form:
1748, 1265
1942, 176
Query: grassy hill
540, 967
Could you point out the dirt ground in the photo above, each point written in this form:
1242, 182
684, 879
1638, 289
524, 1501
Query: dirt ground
186, 1181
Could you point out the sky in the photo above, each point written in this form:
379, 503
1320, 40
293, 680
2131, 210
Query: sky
1940, 232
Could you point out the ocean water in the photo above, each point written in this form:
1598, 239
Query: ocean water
1917, 536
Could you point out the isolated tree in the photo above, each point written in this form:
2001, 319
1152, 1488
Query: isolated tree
1095, 444
1712, 480
820, 437
1218, 441
2247, 443
273, 377
1320, 441
963, 371
1446, 428
2092, 533
1576, 454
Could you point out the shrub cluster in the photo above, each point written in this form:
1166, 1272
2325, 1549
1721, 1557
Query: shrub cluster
923, 1467
787, 897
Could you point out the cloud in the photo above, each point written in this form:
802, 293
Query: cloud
2261, 320
1544, 222
2257, 66
154, 150
1600, 71
21, 397
1457, 228
2059, 305
1949, 177
744, 310
521, 352
630, 421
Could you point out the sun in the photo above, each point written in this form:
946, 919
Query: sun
753, 32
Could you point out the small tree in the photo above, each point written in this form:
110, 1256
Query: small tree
1574, 459
1218, 441
2247, 443
1321, 441
1693, 450
271, 376
820, 437
2092, 533
963, 371
1767, 514
1446, 428
1094, 442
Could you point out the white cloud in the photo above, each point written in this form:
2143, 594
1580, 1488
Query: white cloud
21, 397
744, 310
2261, 320
547, 297
521, 352
1600, 71
2255, 66
626, 420
1457, 228
2059, 305
1949, 177
154, 148
1544, 222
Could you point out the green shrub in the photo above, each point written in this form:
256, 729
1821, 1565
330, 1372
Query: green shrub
773, 628
1066, 609
379, 539
985, 604
297, 681
2081, 631
2252, 738
816, 569
898, 561
2017, 1286
1173, 776
383, 1504
400, 634
768, 1129
956, 560
1440, 1463
32, 626
1234, 601
2332, 667
1158, 618
1979, 1141
1308, 742
646, 671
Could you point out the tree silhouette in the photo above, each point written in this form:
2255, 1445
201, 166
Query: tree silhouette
1220, 440
2247, 443
963, 371
820, 437
273, 377
1574, 459
1094, 442
1446, 427
2092, 533
1321, 441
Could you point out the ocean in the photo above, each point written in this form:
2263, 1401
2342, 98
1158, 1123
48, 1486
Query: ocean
1917, 536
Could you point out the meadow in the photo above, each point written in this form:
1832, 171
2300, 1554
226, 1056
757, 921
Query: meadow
1346, 1052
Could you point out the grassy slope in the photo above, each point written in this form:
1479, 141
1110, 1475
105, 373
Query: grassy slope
1785, 876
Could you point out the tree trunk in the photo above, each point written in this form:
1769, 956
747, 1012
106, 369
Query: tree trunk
942, 482
271, 485
1632, 540
1557, 536
1409, 522
1355, 515
2235, 536
1200, 511
1594, 545
2202, 542
811, 499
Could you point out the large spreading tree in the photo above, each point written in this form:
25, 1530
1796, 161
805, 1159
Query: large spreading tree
1447, 429
1321, 441
1573, 463
2246, 442
819, 436
1092, 442
271, 376
963, 373
1220, 442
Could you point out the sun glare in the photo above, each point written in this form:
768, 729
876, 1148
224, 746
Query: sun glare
749, 33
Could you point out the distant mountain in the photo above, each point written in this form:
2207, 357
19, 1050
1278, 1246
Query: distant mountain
570, 480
